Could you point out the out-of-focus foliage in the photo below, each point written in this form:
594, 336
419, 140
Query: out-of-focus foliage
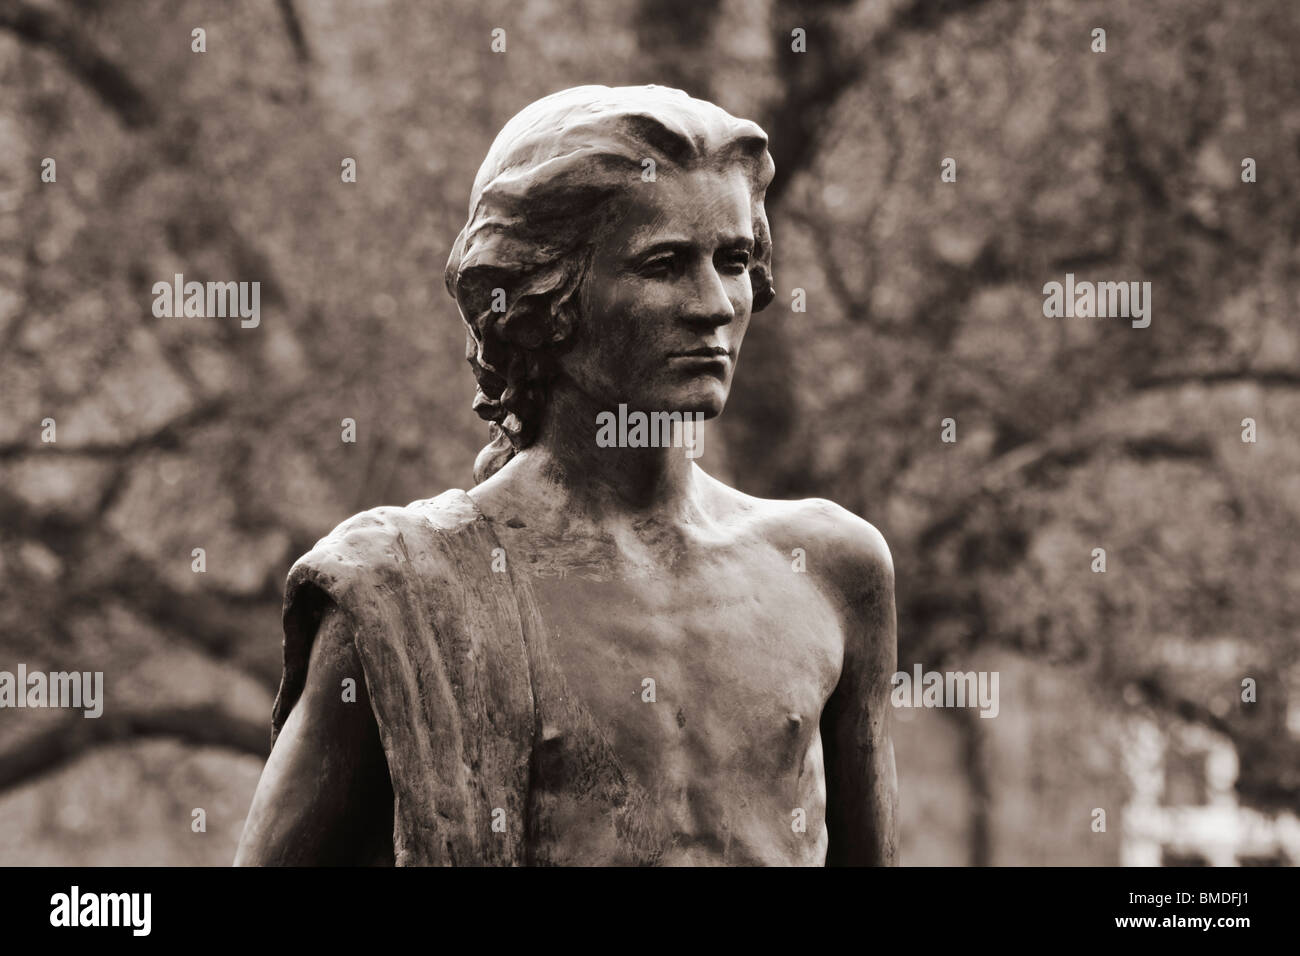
924, 303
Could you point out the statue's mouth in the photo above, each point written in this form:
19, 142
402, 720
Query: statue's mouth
705, 351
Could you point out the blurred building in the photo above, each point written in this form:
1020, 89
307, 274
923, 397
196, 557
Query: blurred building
1185, 810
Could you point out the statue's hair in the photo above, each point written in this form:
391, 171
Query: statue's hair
540, 200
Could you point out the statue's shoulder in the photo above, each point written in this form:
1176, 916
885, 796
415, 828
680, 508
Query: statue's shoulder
835, 527
830, 536
380, 545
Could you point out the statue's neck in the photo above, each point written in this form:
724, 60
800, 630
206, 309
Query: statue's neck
597, 463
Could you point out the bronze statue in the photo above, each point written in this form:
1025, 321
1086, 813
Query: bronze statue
596, 655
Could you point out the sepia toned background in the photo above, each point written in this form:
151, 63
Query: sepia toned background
1120, 691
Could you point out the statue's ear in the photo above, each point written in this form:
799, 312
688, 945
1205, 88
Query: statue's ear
476, 289
528, 323
760, 272
764, 292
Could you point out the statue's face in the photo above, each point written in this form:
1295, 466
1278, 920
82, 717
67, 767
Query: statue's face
668, 296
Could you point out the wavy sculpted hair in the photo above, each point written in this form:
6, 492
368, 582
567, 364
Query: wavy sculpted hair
539, 204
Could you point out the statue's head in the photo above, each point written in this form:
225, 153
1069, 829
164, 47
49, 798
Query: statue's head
611, 231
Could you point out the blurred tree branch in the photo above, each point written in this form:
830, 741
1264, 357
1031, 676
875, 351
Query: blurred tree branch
207, 725
42, 26
293, 27
169, 435
1266, 378
974, 758
1028, 462
676, 35
814, 82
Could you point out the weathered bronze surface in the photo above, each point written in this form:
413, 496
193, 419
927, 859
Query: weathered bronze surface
599, 654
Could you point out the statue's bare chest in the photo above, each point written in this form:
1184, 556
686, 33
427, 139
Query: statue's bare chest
679, 700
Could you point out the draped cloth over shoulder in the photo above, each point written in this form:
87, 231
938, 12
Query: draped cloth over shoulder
442, 647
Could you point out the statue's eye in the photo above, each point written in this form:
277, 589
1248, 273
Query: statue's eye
659, 266
735, 262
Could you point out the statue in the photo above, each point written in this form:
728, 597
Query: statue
599, 654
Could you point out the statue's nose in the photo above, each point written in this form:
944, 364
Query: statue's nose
710, 306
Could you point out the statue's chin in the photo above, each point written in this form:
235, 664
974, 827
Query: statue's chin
701, 395
708, 410
706, 397
705, 409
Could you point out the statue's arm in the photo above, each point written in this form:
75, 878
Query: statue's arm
861, 782
324, 797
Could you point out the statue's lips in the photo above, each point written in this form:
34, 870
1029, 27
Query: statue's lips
714, 353
713, 362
